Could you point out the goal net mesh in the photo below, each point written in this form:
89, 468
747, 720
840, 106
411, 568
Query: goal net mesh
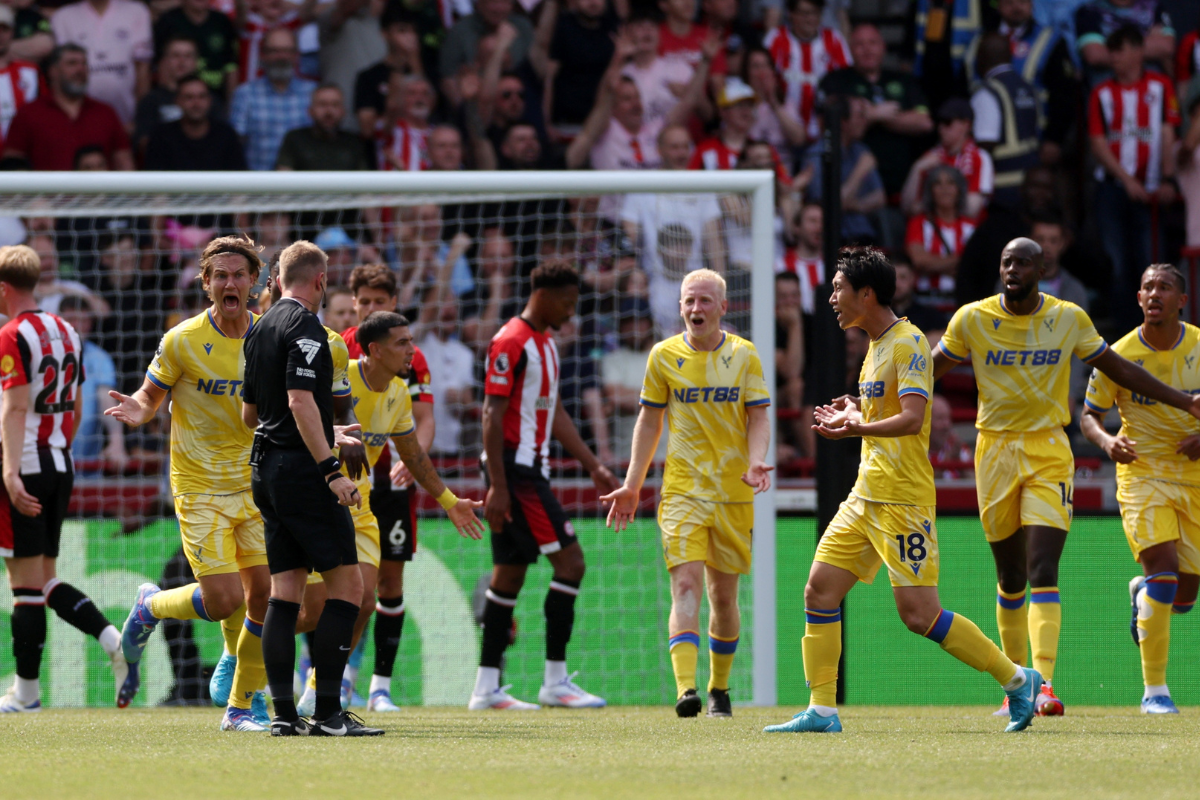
123, 269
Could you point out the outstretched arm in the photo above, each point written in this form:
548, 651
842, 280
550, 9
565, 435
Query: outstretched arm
1125, 373
138, 408
646, 433
460, 511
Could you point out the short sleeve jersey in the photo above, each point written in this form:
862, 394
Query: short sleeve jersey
523, 365
1022, 362
203, 369
383, 413
896, 469
1156, 427
419, 379
341, 363
288, 349
706, 394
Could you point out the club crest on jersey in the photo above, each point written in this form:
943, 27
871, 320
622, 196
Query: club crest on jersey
1049, 322
208, 348
995, 324
391, 402
1187, 360
502, 363
727, 360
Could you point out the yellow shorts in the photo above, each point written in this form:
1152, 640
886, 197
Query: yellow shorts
865, 534
1023, 479
366, 531
1154, 512
221, 533
719, 534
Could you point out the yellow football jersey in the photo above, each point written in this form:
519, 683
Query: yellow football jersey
383, 413
896, 469
341, 363
1022, 362
203, 369
706, 394
1157, 428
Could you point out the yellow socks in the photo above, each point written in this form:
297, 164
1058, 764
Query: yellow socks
250, 674
720, 661
1012, 618
684, 647
231, 629
822, 647
1045, 621
182, 603
962, 639
1154, 603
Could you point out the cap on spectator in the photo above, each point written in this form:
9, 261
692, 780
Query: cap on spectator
632, 308
7, 17
334, 239
955, 108
735, 91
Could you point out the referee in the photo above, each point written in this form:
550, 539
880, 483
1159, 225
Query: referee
302, 495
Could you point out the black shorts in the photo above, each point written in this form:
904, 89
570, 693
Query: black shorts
304, 525
539, 525
396, 512
25, 537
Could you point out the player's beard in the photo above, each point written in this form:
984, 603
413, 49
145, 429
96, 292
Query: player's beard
1019, 295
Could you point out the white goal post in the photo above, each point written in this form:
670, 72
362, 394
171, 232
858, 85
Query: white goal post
84, 194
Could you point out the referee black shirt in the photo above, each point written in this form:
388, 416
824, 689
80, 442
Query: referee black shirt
288, 349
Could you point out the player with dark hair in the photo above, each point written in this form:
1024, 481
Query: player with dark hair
199, 362
393, 490
889, 516
1022, 341
41, 370
1157, 452
520, 413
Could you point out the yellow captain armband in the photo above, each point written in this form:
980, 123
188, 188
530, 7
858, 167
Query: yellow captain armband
447, 499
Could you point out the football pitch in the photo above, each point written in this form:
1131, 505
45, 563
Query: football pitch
957, 752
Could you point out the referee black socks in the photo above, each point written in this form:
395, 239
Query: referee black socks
331, 649
279, 654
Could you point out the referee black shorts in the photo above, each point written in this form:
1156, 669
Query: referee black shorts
304, 525
396, 512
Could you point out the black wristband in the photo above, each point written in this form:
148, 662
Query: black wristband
329, 465
334, 477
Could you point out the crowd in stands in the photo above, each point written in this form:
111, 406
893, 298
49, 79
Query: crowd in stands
964, 123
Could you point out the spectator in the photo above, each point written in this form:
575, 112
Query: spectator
774, 123
944, 444
351, 41
579, 387
120, 45
403, 55
944, 29
736, 104
1189, 173
342, 251
580, 53
806, 259
78, 239
804, 52
266, 108
1187, 62
862, 188
137, 298
679, 36
493, 299
1096, 21
461, 45
400, 138
445, 147
789, 358
659, 79
33, 38
178, 59
51, 129
520, 149
323, 145
51, 289
955, 149
1136, 163
194, 142
1007, 119
904, 303
735, 36
1042, 57
898, 116
452, 367
254, 25
215, 39
938, 235
674, 234
622, 371
1049, 231
339, 309
617, 134
501, 92
20, 78
93, 427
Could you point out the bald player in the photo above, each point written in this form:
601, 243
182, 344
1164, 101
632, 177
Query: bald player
1020, 343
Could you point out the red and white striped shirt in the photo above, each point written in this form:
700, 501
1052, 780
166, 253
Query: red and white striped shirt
1131, 120
19, 84
252, 33
802, 65
940, 238
402, 147
523, 366
811, 272
1187, 61
974, 163
40, 350
713, 153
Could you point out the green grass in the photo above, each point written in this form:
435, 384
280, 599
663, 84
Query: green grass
618, 752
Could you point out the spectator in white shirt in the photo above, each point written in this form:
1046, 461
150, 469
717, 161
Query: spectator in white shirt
119, 41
